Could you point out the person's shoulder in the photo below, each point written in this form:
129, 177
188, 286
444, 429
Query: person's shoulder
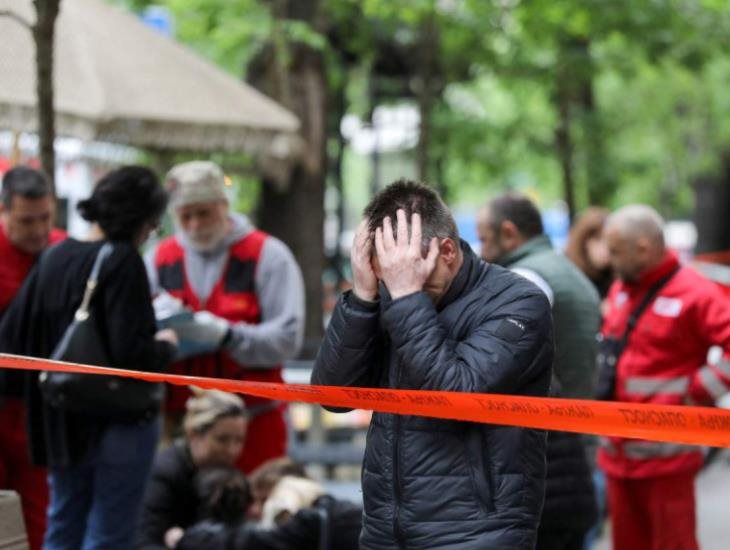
274, 245
561, 264
170, 242
576, 283
275, 253
500, 280
57, 235
63, 249
501, 288
123, 248
125, 256
172, 460
690, 284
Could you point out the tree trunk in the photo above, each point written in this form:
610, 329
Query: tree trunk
564, 146
296, 216
43, 35
294, 210
427, 59
374, 97
337, 112
599, 181
424, 134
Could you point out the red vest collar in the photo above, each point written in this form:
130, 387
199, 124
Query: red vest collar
654, 274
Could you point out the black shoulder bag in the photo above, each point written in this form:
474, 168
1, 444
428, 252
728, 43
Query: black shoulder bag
610, 348
101, 395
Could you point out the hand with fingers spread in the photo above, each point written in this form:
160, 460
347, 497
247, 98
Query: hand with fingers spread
364, 281
403, 268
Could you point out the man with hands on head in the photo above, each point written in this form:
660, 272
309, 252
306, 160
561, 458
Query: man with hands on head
426, 314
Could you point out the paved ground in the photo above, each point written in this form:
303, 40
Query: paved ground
713, 504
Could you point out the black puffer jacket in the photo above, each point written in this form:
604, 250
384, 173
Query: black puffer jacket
430, 483
570, 499
170, 498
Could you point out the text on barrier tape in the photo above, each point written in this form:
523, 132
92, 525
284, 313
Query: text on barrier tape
670, 423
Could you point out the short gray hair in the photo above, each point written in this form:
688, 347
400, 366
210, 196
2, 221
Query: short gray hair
413, 197
636, 221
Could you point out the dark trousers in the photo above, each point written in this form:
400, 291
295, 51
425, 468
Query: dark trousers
560, 540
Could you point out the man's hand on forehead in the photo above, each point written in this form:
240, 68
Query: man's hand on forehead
403, 268
365, 283
393, 229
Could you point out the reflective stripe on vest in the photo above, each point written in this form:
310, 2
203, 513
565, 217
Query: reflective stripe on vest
607, 445
711, 382
723, 366
654, 449
651, 385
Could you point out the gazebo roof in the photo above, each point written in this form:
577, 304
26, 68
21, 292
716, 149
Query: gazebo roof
118, 80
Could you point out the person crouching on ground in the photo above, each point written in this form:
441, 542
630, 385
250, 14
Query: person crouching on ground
215, 425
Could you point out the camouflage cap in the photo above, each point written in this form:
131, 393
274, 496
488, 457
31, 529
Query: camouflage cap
194, 182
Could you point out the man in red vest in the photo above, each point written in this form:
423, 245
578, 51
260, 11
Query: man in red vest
26, 228
665, 361
247, 293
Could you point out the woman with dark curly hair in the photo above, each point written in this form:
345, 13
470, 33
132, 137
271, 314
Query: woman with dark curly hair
98, 462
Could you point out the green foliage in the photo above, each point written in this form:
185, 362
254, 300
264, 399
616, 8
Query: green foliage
229, 32
645, 82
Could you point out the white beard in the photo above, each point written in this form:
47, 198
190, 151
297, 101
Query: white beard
210, 242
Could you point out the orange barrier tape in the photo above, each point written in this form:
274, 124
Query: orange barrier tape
676, 424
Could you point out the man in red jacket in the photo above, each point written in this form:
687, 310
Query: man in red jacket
651, 484
26, 228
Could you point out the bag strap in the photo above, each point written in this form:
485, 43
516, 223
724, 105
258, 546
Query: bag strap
324, 528
82, 313
650, 294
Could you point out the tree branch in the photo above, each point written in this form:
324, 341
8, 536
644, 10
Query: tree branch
17, 18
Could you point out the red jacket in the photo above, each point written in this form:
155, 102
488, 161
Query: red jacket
665, 361
16, 265
14, 268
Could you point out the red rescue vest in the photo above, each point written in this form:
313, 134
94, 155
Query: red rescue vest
233, 297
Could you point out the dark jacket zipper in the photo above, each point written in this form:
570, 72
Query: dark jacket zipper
397, 531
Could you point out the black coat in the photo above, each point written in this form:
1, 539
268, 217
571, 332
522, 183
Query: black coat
570, 499
45, 306
430, 483
170, 499
340, 520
